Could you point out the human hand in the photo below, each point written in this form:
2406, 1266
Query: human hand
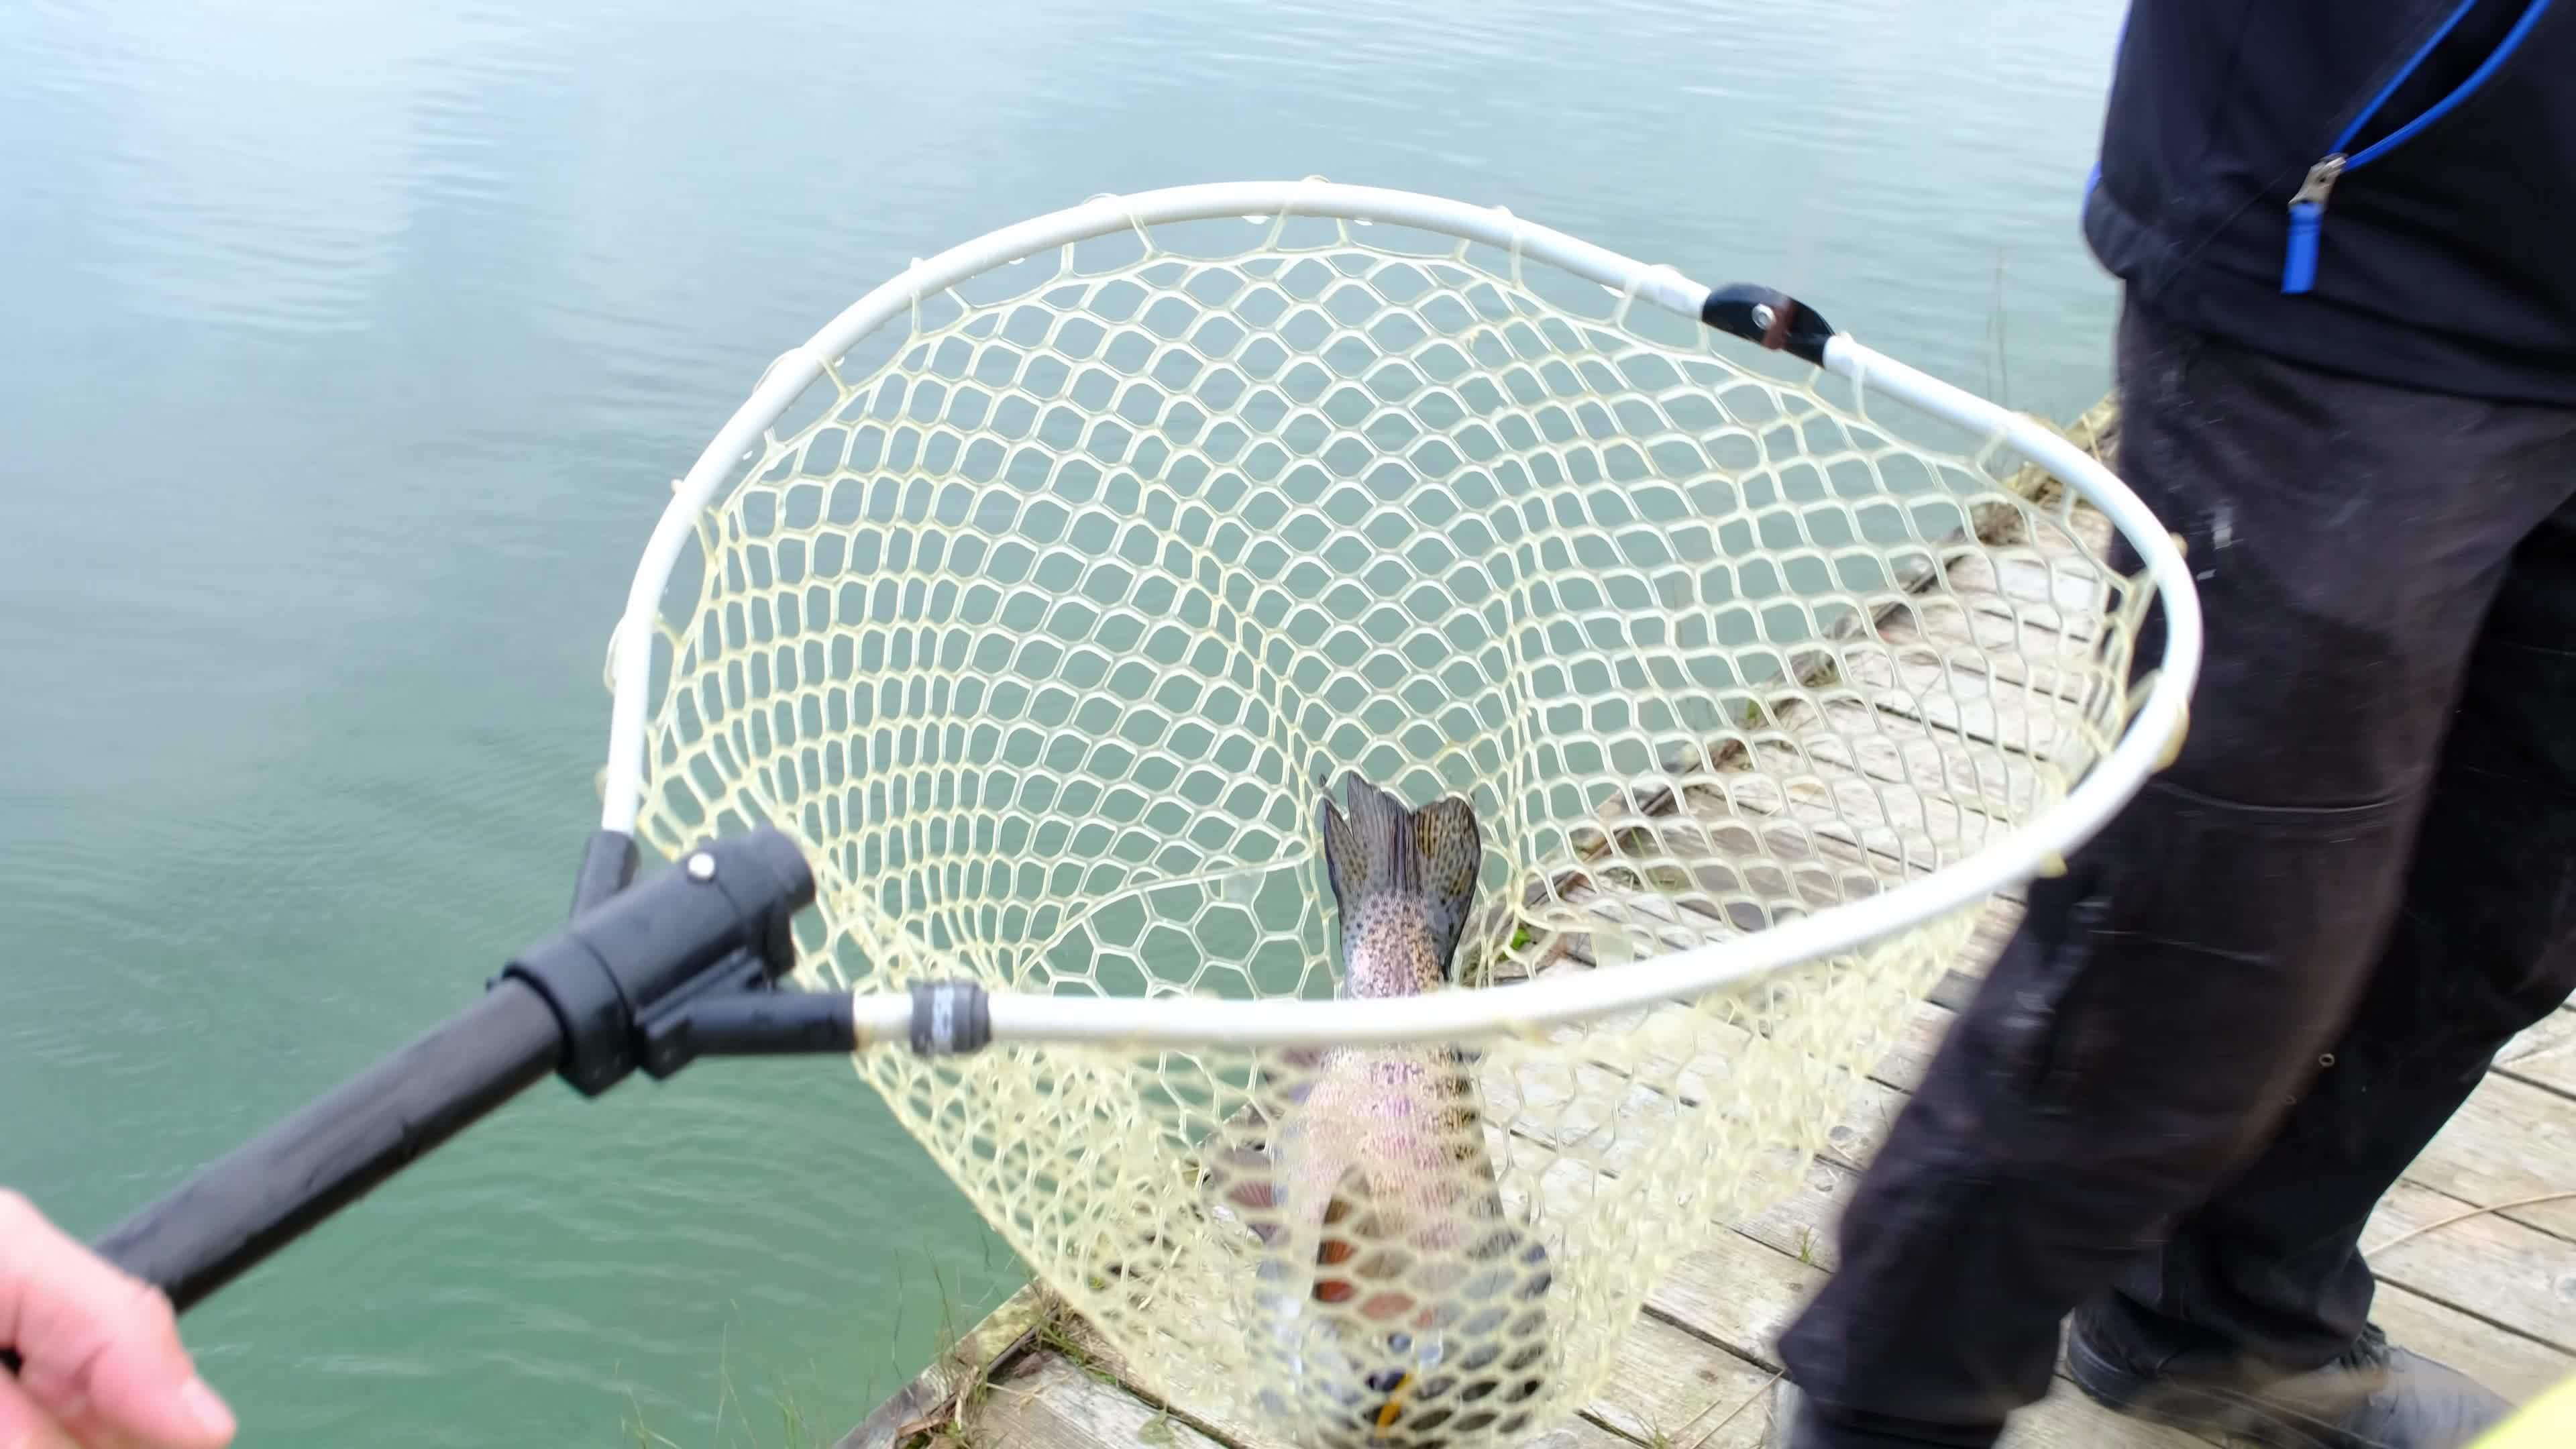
102, 1361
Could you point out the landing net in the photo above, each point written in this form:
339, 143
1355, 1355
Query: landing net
1045, 596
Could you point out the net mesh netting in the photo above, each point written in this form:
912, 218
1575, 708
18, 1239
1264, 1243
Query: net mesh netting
1047, 619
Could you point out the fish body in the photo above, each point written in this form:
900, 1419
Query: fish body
1384, 1166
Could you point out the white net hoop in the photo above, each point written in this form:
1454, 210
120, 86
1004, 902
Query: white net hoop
1039, 604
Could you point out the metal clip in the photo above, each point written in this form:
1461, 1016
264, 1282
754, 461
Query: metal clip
2321, 180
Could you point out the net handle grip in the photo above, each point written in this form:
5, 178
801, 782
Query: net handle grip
278, 1186
696, 939
333, 1151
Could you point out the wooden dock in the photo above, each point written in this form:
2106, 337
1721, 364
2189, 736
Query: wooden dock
2475, 1249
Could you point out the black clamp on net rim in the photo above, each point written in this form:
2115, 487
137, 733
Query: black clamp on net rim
1770, 318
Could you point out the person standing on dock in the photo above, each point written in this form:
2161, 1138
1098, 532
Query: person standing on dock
2347, 377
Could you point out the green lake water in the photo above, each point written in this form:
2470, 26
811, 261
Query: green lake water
350, 352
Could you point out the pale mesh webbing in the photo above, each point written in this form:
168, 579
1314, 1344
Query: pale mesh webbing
1042, 634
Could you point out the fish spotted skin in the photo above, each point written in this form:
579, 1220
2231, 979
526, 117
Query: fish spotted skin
1403, 880
1388, 1159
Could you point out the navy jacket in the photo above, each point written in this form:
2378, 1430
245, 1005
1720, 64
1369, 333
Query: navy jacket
2447, 261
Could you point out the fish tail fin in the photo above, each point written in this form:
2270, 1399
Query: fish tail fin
1382, 848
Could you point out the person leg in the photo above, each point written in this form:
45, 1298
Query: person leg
2267, 1277
2162, 1000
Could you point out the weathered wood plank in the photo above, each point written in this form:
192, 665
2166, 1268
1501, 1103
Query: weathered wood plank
2508, 1270
1846, 797
2515, 1279
1578, 1434
1925, 1027
2515, 1138
1683, 1393
1956, 791
1649, 1357
1884, 785
1098, 1356
2068, 1420
1745, 1294
2065, 1419
2062, 601
1914, 681
2489, 1266
1674, 1386
2517, 1367
1591, 1113
2509, 1141
1748, 814
1836, 804
1063, 1405
956, 1373
2087, 528
2545, 1055
1980, 632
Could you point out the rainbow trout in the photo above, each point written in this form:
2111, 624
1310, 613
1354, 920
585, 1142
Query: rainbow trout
1383, 1163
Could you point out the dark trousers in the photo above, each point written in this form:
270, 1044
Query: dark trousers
2220, 1037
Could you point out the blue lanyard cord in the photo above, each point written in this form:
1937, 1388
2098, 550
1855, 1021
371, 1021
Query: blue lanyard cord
2504, 49
2308, 207
2413, 64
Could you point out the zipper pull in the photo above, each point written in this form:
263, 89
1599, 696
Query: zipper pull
2307, 216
